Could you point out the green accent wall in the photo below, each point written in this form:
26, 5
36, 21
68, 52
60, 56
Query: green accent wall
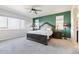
52, 20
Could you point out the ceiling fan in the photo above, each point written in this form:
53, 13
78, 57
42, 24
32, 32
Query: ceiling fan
34, 9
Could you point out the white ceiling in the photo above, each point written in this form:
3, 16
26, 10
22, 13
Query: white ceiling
46, 9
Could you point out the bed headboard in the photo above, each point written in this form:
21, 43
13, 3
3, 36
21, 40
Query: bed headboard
47, 25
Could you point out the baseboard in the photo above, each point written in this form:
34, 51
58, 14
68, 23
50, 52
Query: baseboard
11, 38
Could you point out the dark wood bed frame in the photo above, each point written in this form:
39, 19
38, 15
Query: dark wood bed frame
38, 38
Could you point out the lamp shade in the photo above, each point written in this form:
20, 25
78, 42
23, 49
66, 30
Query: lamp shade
65, 25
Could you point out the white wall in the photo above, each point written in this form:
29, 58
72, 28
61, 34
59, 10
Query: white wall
78, 25
78, 22
29, 24
74, 23
9, 34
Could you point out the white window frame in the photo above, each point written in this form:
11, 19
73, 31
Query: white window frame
37, 24
4, 27
7, 24
60, 22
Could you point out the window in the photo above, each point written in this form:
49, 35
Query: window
14, 23
11, 23
37, 24
3, 22
59, 22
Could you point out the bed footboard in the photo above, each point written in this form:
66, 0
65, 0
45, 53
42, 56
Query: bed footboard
37, 38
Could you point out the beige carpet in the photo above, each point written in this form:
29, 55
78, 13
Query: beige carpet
24, 46
62, 43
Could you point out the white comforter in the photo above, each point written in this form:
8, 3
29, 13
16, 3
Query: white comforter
42, 32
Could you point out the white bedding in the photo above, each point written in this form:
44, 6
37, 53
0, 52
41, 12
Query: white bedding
42, 32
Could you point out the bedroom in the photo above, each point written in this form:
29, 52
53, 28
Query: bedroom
24, 26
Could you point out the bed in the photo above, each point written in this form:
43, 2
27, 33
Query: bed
41, 36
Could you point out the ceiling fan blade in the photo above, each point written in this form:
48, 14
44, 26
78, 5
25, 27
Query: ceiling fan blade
38, 10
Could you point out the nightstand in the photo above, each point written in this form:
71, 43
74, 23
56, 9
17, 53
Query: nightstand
57, 34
